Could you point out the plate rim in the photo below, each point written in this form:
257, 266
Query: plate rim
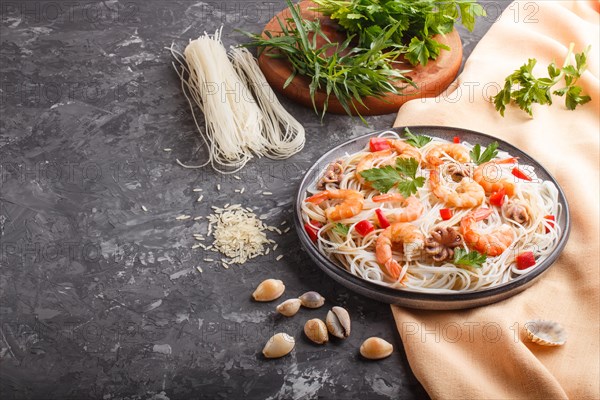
508, 287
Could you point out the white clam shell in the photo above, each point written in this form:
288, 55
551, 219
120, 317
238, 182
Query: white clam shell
269, 290
289, 307
338, 322
316, 330
312, 300
279, 345
375, 348
546, 333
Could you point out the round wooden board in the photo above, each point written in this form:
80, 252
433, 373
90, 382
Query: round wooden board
431, 80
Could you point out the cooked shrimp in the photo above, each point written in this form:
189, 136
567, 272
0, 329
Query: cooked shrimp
399, 232
351, 203
371, 159
405, 150
494, 243
467, 194
456, 151
412, 208
489, 176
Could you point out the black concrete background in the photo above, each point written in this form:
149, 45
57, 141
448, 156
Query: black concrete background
99, 299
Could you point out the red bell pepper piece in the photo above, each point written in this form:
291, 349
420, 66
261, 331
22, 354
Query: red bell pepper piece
383, 222
456, 139
550, 219
312, 229
378, 144
446, 214
497, 198
364, 227
520, 174
525, 260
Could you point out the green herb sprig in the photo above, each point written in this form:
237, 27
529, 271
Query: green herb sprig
470, 259
339, 69
415, 22
416, 140
488, 154
525, 89
403, 175
341, 229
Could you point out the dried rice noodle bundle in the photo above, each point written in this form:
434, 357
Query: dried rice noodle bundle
237, 127
282, 143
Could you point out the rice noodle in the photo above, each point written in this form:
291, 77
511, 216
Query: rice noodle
281, 143
237, 127
356, 253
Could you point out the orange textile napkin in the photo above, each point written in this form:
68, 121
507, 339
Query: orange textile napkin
482, 352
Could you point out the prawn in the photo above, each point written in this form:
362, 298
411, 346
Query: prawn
412, 208
351, 203
494, 243
487, 175
398, 232
371, 159
467, 194
456, 151
405, 150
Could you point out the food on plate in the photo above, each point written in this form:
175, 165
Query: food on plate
451, 217
351, 202
279, 345
338, 322
375, 348
269, 290
316, 331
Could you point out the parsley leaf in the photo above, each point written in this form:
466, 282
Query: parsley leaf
408, 187
470, 259
525, 89
421, 50
403, 175
489, 153
416, 140
417, 22
382, 179
407, 166
341, 229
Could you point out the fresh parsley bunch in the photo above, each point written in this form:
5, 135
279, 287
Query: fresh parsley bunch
525, 89
349, 73
417, 22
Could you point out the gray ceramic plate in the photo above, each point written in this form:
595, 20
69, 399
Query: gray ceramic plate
420, 300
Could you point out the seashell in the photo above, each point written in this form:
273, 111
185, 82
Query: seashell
289, 307
338, 322
312, 300
316, 331
546, 333
375, 348
269, 290
278, 345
